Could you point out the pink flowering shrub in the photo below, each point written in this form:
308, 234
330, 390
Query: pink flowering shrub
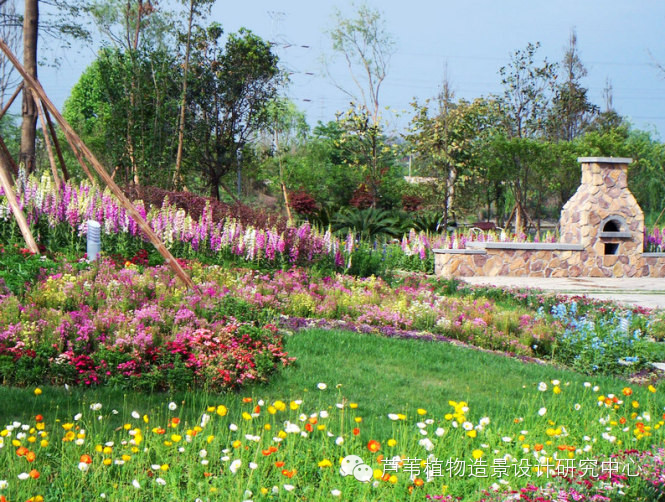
134, 329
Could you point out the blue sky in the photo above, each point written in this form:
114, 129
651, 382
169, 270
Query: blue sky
618, 40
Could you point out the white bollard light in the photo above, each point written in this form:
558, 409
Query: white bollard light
94, 239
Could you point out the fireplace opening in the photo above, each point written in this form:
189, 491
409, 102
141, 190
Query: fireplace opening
612, 226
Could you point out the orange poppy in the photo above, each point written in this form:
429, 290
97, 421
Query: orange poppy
85, 458
308, 427
39, 418
356, 431
373, 446
34, 474
30, 456
418, 482
246, 399
22, 451
288, 473
279, 463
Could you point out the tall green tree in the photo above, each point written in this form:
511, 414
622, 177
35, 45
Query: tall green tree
571, 112
196, 9
528, 88
231, 86
129, 94
443, 142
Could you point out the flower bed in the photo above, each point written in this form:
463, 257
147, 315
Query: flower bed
134, 329
567, 441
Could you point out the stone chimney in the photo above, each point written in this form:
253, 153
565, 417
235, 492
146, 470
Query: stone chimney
603, 215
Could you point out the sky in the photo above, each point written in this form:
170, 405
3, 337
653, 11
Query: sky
619, 41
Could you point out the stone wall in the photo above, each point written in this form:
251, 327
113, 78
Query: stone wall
544, 263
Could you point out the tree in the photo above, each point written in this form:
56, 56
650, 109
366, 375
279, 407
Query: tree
571, 112
10, 32
29, 108
367, 151
135, 27
527, 94
105, 112
196, 8
60, 25
366, 47
443, 143
287, 128
231, 87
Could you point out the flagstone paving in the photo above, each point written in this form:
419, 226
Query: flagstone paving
642, 291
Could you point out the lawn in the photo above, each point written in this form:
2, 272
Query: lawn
472, 406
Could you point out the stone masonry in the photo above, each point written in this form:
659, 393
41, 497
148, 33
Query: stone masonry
602, 232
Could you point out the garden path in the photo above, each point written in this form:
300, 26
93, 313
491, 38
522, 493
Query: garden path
642, 291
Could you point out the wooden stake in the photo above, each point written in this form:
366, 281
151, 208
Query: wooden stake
11, 100
16, 209
9, 158
49, 149
56, 143
76, 142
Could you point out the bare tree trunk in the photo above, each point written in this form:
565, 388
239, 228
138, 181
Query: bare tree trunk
29, 109
177, 175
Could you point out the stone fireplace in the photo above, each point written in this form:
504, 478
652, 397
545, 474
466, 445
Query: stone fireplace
602, 235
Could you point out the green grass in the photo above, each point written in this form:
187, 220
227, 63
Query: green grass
381, 375
387, 375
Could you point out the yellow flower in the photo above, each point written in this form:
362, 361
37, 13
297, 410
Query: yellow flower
164, 467
107, 450
272, 410
378, 473
236, 443
392, 479
126, 457
246, 415
358, 419
353, 406
107, 461
32, 439
176, 438
401, 416
38, 391
146, 419
280, 405
98, 448
392, 442
281, 434
267, 427
556, 389
448, 416
477, 454
221, 410
635, 404
126, 426
422, 411
67, 426
43, 443
471, 433
651, 388
264, 491
211, 409
40, 426
210, 439
325, 463
293, 405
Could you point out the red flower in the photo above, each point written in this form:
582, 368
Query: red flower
356, 431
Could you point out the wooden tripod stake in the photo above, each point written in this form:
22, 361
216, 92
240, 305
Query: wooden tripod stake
76, 142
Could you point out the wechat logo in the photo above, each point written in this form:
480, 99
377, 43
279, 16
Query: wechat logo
354, 466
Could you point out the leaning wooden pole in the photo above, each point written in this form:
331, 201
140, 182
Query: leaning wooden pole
76, 142
49, 148
16, 209
56, 144
11, 100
